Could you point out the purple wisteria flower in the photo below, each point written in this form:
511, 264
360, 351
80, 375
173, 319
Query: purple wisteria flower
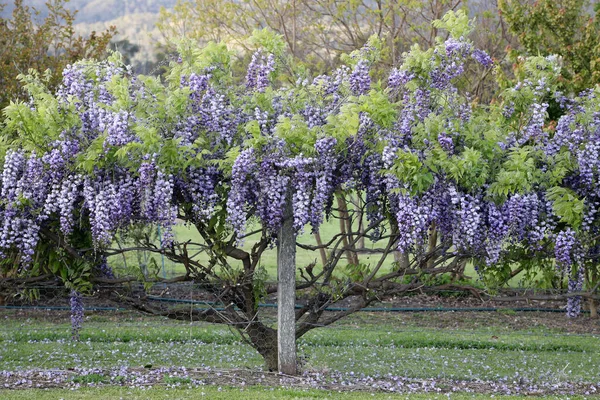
76, 302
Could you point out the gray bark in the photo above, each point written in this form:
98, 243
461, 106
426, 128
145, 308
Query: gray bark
286, 294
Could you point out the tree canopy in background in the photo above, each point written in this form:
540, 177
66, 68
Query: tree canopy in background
569, 29
319, 32
48, 44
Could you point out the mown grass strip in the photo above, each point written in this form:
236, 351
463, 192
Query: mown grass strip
330, 336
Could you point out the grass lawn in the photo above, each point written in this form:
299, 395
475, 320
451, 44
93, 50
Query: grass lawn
359, 353
268, 261
185, 233
228, 393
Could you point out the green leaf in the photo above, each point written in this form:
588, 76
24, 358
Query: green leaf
456, 23
345, 124
566, 205
269, 40
298, 137
518, 173
410, 170
379, 108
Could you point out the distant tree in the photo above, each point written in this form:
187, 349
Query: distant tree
50, 44
315, 31
127, 49
567, 28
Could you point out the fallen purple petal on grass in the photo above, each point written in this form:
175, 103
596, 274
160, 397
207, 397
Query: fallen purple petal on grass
144, 378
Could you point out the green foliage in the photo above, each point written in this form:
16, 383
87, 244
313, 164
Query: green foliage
566, 205
195, 59
268, 40
518, 174
417, 61
561, 165
120, 88
296, 134
469, 169
35, 130
456, 23
343, 124
379, 108
410, 170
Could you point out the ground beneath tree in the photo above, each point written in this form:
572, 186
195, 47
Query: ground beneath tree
529, 321
495, 322
554, 317
453, 311
242, 378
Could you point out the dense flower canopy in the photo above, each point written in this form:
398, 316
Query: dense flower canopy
497, 182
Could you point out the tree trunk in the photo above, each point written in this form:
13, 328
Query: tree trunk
351, 256
431, 245
322, 251
358, 206
591, 280
402, 260
286, 293
593, 309
264, 340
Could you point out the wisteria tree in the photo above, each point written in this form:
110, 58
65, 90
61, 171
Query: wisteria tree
412, 169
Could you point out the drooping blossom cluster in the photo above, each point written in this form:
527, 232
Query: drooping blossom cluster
201, 189
241, 192
413, 221
567, 259
76, 302
259, 69
324, 183
360, 80
274, 188
301, 196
